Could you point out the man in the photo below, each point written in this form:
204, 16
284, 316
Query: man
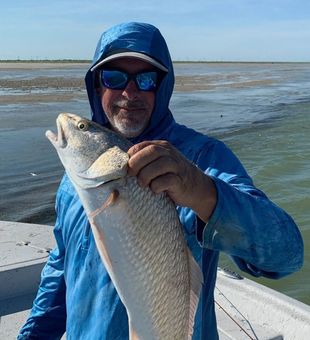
129, 87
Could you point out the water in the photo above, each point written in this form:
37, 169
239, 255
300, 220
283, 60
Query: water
277, 156
262, 111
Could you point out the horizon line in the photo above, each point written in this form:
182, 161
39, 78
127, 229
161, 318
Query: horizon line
69, 60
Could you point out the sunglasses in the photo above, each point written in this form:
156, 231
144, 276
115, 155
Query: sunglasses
118, 80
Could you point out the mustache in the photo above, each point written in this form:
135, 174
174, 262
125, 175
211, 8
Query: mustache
130, 104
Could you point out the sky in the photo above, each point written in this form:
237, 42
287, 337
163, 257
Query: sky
204, 30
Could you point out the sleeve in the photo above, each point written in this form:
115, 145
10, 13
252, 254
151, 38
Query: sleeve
47, 319
261, 238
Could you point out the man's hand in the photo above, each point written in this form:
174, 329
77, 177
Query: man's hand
163, 168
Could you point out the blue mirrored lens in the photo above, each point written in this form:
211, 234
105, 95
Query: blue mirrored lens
114, 79
146, 81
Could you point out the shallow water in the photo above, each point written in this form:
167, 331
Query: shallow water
262, 111
277, 157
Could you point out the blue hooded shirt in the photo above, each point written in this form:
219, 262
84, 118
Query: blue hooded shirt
76, 294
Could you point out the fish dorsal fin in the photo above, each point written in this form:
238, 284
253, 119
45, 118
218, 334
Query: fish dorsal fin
196, 281
110, 165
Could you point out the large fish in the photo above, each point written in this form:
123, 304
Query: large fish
137, 233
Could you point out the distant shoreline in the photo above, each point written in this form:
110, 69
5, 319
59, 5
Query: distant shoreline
29, 65
85, 61
52, 61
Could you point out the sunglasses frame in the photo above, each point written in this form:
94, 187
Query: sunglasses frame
131, 76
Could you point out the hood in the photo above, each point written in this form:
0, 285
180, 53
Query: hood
143, 38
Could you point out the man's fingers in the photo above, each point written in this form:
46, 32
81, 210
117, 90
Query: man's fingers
160, 166
166, 183
137, 147
163, 168
143, 154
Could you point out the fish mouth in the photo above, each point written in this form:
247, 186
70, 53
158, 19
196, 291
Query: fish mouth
58, 140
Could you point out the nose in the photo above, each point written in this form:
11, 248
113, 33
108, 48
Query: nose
131, 91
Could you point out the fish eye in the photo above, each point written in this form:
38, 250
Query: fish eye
82, 125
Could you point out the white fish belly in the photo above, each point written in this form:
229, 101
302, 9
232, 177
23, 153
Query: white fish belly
142, 245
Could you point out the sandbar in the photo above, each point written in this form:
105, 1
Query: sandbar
56, 88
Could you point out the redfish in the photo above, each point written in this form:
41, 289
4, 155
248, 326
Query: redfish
137, 232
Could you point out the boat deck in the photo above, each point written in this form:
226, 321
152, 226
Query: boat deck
244, 309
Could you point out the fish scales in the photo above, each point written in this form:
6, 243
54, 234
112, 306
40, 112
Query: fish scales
137, 232
156, 264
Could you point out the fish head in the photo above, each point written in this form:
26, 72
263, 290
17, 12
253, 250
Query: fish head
91, 154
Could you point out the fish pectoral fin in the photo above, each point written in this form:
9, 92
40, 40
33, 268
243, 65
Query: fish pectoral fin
196, 281
98, 232
132, 333
112, 198
112, 164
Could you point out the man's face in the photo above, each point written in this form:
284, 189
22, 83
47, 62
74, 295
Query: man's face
129, 110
